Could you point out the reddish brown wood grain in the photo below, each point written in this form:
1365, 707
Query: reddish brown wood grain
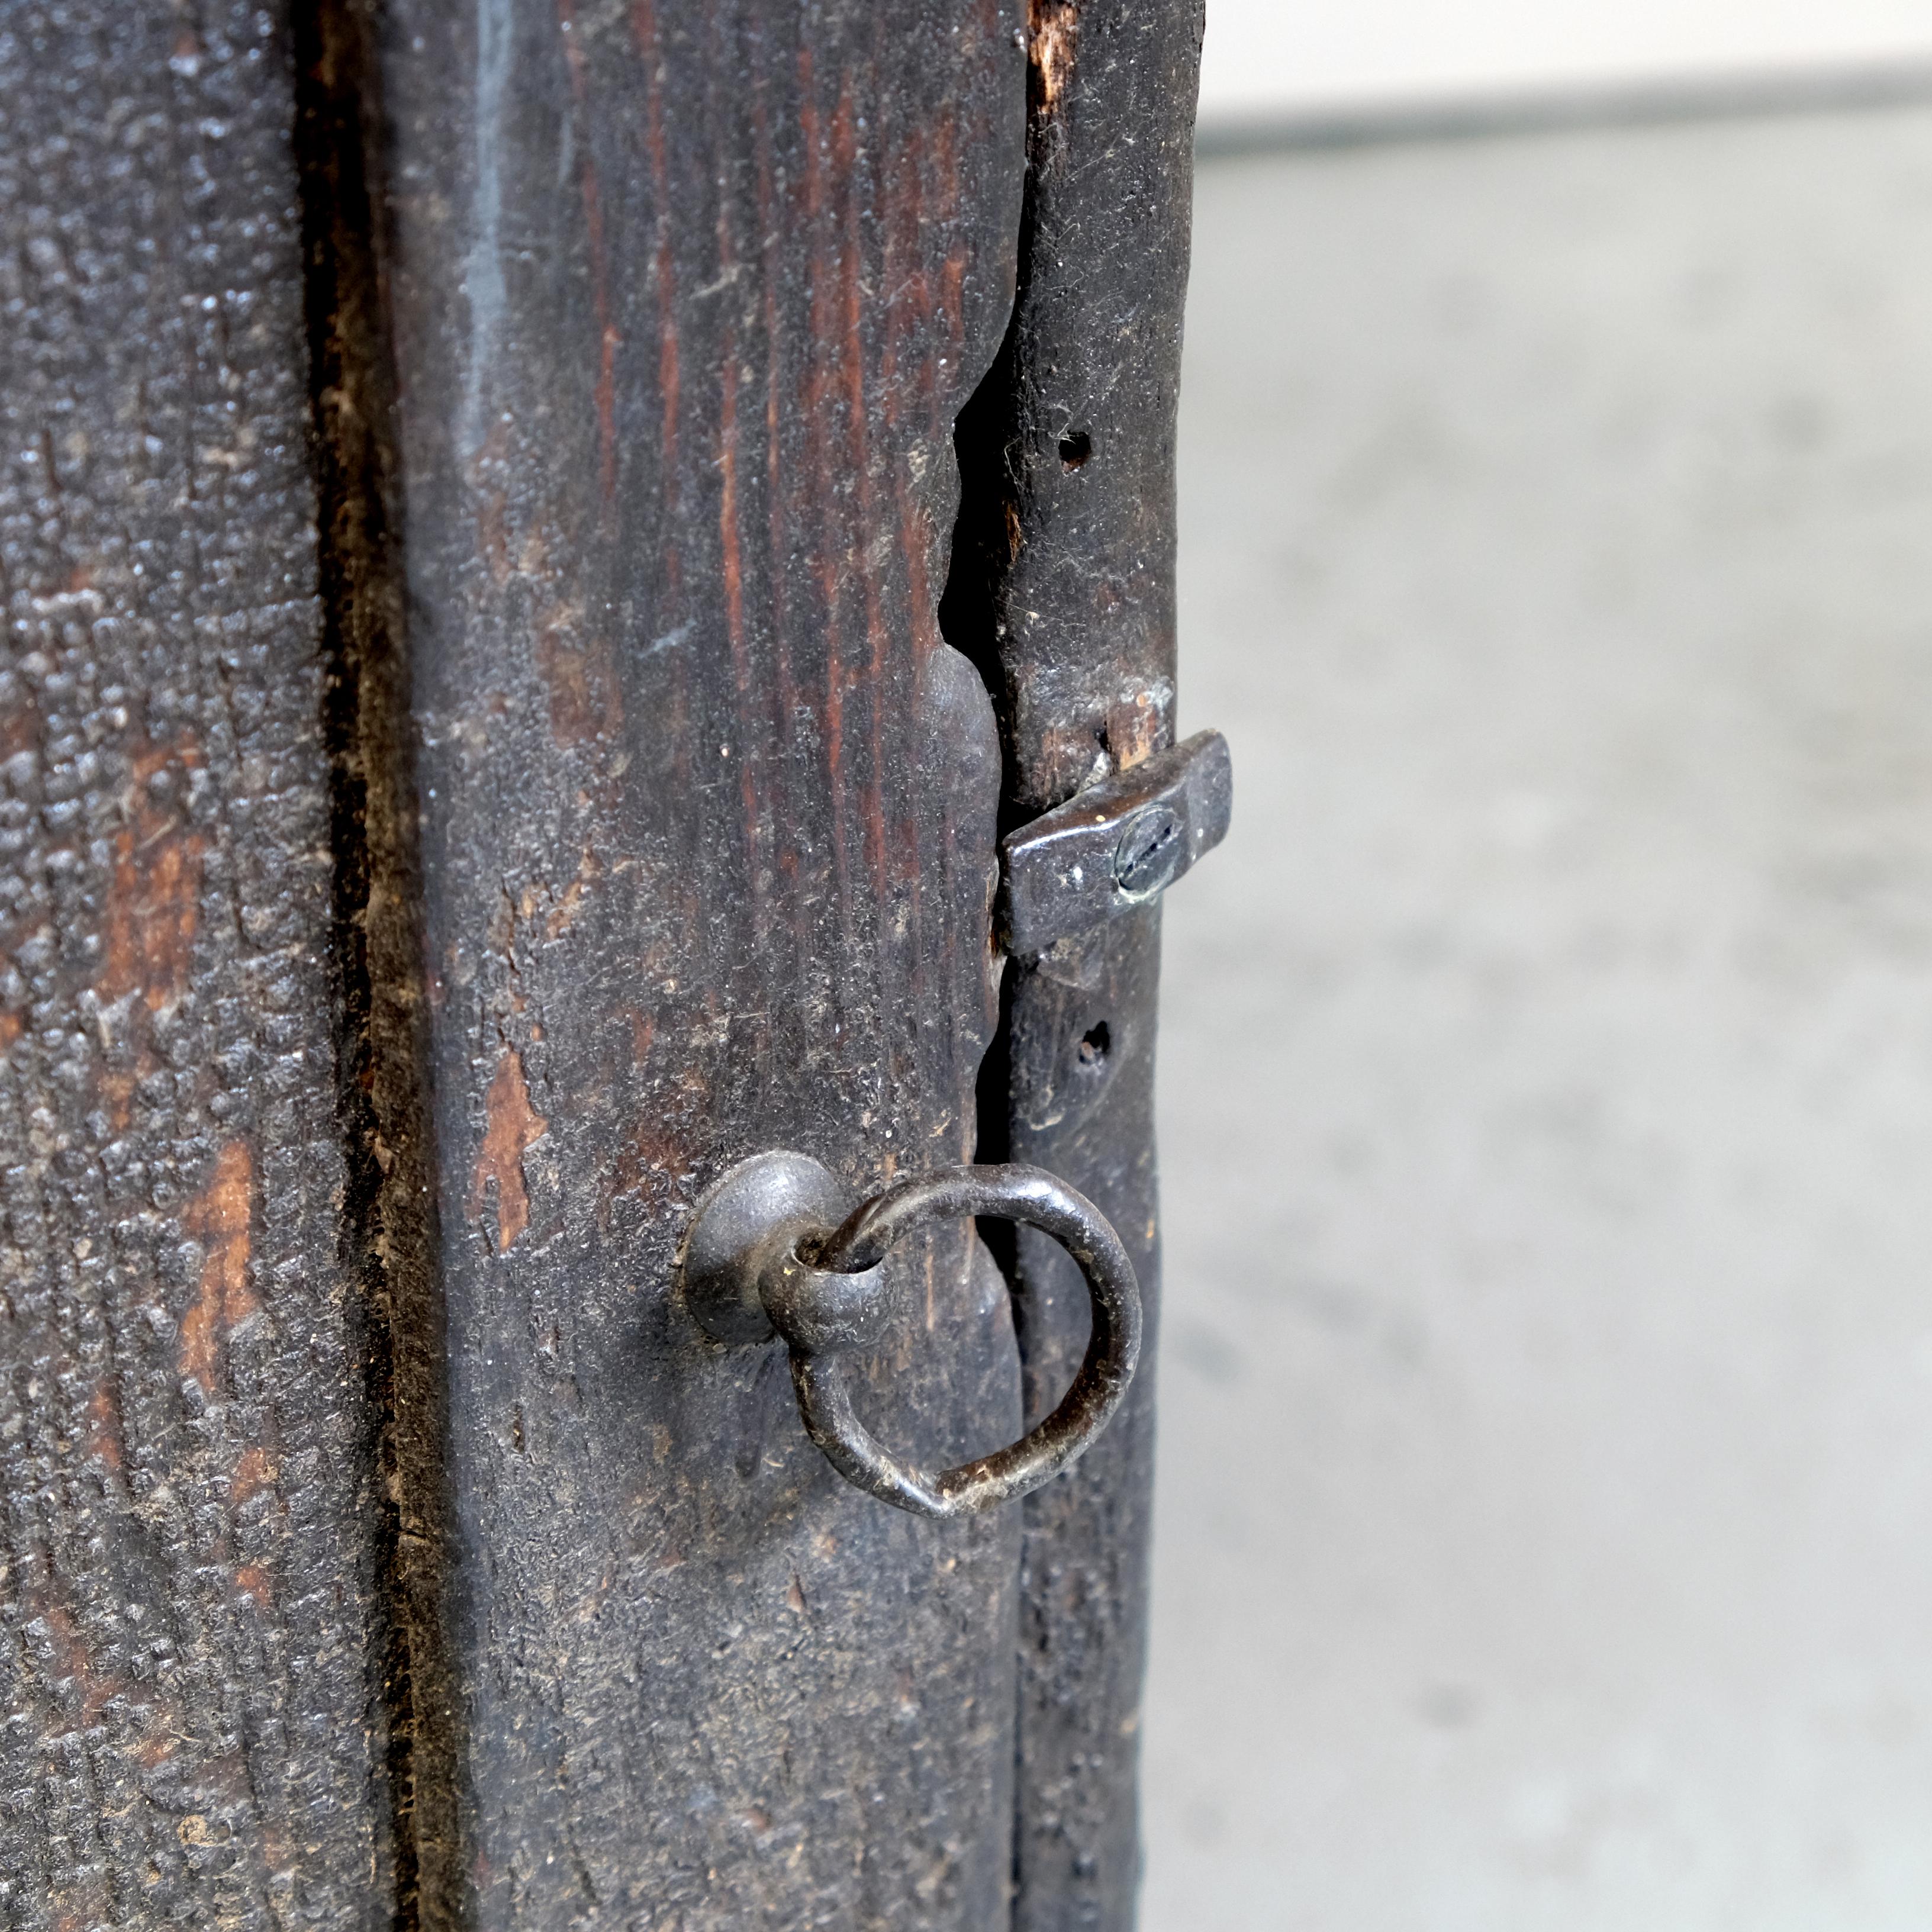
189, 1606
686, 302
478, 756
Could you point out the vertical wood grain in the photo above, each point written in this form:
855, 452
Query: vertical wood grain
190, 1612
686, 300
470, 770
1063, 592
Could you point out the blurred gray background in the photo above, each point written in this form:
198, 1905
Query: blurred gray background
1545, 1519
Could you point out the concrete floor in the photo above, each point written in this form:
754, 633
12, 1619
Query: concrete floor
1545, 1534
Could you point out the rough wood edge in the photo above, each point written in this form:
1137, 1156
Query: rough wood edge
389, 1226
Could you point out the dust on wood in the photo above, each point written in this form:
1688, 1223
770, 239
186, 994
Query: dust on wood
187, 1606
678, 486
1062, 587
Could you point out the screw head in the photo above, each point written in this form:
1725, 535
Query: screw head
1150, 853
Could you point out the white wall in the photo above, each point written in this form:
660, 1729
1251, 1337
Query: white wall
1290, 56
1546, 1080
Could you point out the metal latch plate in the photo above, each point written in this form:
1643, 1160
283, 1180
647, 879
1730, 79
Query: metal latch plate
1115, 847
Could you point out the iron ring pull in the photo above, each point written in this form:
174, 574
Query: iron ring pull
763, 1255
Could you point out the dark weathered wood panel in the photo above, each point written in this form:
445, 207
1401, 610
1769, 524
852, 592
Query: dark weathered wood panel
1064, 591
185, 1577
686, 300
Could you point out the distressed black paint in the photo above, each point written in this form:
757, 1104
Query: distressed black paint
686, 299
475, 765
190, 1612
1064, 592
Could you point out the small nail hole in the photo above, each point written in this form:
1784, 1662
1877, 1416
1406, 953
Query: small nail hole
1075, 448
1094, 1044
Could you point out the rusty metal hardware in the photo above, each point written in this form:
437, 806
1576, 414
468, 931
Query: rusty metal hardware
777, 1247
1115, 846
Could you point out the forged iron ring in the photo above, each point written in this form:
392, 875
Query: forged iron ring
763, 1255
1028, 1194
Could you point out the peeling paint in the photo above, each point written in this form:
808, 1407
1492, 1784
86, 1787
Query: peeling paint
1052, 27
153, 896
256, 1472
219, 1218
104, 1438
514, 1126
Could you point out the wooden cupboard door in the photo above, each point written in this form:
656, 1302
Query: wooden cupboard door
686, 301
480, 754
